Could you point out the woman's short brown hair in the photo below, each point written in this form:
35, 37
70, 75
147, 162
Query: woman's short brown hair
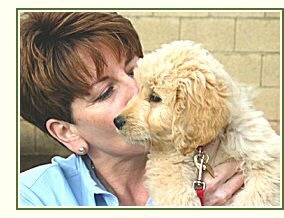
52, 73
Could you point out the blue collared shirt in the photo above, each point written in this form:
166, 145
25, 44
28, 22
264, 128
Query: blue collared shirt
64, 182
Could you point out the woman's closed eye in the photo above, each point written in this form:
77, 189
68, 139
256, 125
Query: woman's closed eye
105, 94
131, 73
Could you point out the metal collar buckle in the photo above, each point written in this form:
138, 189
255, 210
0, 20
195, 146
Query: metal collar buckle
199, 185
200, 161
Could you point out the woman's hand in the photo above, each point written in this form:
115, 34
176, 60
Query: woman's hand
227, 182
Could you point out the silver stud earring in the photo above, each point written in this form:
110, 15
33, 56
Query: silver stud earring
82, 150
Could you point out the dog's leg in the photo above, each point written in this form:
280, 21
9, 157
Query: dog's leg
261, 188
251, 141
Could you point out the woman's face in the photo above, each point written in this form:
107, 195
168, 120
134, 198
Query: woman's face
94, 114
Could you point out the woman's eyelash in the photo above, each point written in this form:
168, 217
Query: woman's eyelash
131, 73
106, 94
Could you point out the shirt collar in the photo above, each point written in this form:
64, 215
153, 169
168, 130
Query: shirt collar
82, 166
100, 187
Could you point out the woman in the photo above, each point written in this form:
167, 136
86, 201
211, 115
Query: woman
76, 76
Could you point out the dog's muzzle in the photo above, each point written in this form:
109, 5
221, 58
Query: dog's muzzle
119, 122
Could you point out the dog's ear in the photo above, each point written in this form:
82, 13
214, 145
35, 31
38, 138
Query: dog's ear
200, 111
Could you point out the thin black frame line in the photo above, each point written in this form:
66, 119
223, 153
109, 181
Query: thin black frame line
282, 17
17, 115
158, 9
143, 208
134, 208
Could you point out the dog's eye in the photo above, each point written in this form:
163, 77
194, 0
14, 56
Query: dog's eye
155, 98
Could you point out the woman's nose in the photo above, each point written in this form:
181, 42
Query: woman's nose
128, 89
132, 88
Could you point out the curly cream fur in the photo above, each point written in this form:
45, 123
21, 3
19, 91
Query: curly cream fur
201, 104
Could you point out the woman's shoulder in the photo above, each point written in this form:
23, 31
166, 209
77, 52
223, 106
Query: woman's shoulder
59, 167
46, 183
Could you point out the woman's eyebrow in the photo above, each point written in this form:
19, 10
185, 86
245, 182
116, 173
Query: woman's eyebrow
127, 61
131, 64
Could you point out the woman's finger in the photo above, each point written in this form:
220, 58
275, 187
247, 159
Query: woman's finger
224, 195
220, 189
234, 184
224, 171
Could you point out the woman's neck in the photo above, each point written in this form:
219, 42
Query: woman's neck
122, 176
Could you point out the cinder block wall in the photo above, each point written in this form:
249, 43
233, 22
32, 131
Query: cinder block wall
246, 43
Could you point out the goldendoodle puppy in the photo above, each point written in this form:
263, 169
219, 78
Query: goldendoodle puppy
187, 100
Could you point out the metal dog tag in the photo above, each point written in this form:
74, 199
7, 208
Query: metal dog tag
203, 158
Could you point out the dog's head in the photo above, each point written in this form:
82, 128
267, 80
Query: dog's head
183, 99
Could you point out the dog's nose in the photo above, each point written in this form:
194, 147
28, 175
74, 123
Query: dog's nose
119, 122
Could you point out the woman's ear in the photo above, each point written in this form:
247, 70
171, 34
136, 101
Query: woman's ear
68, 135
